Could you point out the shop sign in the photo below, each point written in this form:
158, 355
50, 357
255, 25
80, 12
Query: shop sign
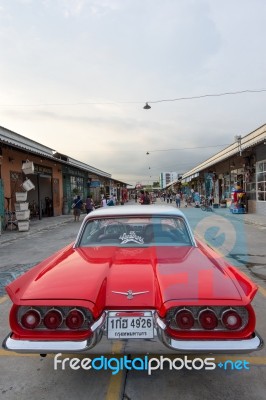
41, 169
94, 184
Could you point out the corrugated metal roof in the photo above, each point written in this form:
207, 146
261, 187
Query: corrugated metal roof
251, 139
86, 167
21, 142
13, 138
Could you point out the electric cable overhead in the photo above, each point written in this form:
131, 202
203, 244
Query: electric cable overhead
187, 148
147, 106
208, 95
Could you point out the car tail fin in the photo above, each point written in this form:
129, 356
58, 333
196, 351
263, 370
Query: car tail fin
249, 288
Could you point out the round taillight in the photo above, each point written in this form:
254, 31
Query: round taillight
75, 319
184, 319
31, 319
231, 320
208, 319
53, 319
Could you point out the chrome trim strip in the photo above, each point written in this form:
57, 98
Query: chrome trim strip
43, 347
98, 323
146, 312
159, 322
214, 346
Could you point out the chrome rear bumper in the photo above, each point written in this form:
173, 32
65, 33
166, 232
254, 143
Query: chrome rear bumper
46, 347
237, 346
177, 346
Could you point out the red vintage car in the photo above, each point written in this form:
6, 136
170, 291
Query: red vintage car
133, 273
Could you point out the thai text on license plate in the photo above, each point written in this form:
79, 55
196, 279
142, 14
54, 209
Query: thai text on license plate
130, 327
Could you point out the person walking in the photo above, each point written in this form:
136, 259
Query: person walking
147, 199
144, 197
178, 200
77, 206
141, 199
104, 201
89, 204
197, 199
210, 199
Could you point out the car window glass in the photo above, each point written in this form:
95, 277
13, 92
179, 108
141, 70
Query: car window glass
132, 231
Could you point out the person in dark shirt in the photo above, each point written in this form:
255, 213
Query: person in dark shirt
77, 207
89, 204
144, 198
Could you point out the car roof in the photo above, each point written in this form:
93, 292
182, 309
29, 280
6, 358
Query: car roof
136, 210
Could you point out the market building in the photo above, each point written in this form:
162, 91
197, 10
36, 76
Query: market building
241, 164
57, 178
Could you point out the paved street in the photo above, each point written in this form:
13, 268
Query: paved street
37, 225
240, 238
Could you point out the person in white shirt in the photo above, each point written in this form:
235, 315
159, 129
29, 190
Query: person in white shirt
104, 201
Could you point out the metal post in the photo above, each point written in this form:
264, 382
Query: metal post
39, 197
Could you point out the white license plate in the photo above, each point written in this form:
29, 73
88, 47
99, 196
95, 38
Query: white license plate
130, 327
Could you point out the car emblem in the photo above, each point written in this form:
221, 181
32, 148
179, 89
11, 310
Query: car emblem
130, 294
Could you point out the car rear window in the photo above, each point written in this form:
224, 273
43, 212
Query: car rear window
135, 231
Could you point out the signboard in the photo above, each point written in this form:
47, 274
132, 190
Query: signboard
94, 184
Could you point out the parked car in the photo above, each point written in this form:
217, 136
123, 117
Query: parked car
133, 273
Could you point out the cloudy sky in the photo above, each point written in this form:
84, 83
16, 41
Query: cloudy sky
75, 75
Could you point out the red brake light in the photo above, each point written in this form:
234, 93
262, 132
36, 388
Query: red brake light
208, 319
53, 319
231, 320
184, 319
75, 319
31, 319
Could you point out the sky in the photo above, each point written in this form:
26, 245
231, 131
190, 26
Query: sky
76, 74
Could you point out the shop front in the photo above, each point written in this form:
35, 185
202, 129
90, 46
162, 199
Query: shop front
44, 199
74, 184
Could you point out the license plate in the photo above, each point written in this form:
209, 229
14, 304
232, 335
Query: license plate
130, 328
